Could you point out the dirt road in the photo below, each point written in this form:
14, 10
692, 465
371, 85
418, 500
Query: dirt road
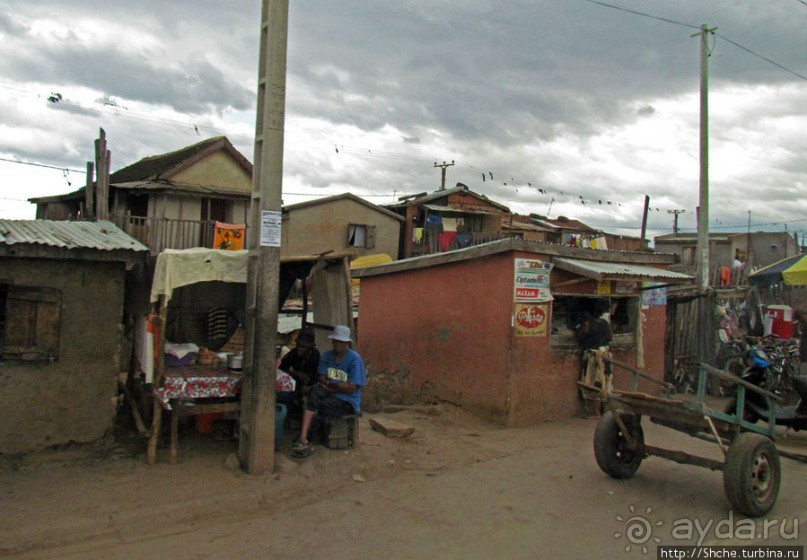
457, 488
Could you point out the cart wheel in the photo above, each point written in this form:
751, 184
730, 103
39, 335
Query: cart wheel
611, 449
752, 474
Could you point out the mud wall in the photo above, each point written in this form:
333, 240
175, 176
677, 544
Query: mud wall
71, 399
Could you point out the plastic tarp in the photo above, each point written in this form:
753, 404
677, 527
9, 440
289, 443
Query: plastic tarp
792, 271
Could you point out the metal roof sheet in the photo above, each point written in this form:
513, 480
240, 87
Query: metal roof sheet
450, 210
599, 270
101, 235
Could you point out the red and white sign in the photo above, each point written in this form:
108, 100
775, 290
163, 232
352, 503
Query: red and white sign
531, 281
531, 319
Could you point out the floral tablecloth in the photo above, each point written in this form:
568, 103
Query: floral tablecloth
194, 382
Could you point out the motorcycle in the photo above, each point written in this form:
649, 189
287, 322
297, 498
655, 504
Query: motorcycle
759, 372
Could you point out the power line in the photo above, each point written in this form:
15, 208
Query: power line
635, 12
766, 59
671, 21
43, 165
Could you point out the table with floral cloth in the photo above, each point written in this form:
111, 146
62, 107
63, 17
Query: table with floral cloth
197, 382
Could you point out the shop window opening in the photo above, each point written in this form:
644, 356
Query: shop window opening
568, 313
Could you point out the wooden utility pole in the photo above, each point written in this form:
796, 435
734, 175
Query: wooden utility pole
256, 443
89, 194
644, 218
102, 163
442, 167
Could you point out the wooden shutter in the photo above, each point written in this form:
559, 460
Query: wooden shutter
32, 323
370, 241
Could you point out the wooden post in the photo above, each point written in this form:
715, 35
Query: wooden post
89, 199
102, 159
156, 421
350, 322
644, 220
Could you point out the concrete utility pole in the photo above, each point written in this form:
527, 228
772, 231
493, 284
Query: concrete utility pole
703, 246
443, 173
703, 206
675, 218
256, 442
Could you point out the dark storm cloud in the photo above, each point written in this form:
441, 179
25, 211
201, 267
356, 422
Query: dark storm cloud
515, 70
194, 86
535, 91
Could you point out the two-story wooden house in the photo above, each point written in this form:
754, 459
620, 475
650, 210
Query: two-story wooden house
170, 200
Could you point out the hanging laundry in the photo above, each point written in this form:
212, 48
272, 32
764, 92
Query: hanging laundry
229, 237
449, 224
464, 239
435, 219
446, 239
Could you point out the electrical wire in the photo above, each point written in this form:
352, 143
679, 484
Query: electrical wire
21, 162
643, 14
766, 59
674, 22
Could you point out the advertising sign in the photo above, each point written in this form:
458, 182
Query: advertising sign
531, 319
531, 282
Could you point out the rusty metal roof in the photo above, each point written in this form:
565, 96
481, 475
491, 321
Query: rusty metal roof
100, 235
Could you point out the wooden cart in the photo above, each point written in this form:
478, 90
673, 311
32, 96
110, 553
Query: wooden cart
751, 468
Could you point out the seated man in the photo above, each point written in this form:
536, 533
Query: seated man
302, 363
341, 377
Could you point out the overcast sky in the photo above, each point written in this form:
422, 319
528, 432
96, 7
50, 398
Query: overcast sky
555, 107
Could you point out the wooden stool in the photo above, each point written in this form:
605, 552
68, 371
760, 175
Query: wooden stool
342, 432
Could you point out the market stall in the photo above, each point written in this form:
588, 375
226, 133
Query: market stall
214, 282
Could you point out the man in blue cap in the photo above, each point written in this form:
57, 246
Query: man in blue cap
341, 377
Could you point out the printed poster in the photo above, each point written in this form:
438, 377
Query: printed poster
653, 296
531, 319
531, 281
270, 228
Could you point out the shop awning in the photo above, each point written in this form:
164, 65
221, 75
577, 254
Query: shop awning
604, 271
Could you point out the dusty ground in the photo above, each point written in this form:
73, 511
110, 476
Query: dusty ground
457, 488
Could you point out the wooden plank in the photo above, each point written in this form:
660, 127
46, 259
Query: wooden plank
212, 408
726, 376
640, 373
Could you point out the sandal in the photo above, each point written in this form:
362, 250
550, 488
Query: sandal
299, 445
301, 452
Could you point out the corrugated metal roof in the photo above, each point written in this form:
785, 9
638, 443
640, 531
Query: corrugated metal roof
450, 210
101, 235
599, 270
